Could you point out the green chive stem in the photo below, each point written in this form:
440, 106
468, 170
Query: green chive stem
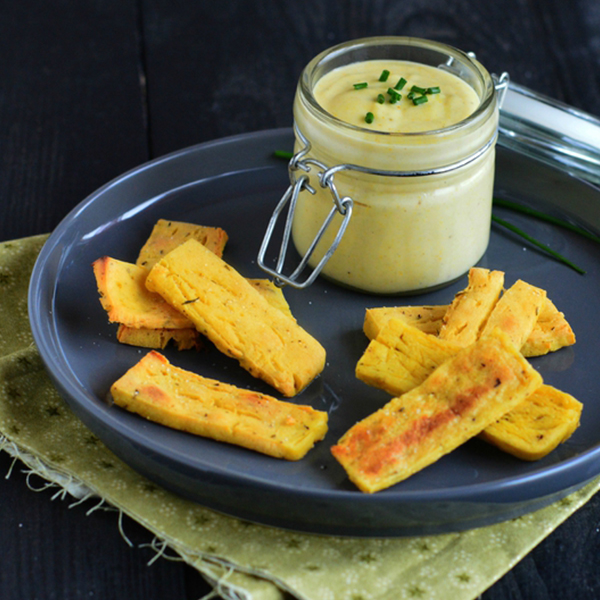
535, 242
394, 95
369, 117
384, 75
361, 86
420, 100
401, 83
283, 154
433, 90
545, 217
418, 90
380, 98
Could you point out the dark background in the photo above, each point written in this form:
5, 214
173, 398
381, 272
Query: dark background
93, 88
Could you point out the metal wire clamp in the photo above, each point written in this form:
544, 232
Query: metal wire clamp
343, 206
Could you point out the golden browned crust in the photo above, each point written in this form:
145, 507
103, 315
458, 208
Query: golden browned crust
184, 339
457, 401
401, 357
426, 318
537, 426
124, 296
166, 235
272, 294
471, 307
551, 332
176, 398
237, 318
516, 312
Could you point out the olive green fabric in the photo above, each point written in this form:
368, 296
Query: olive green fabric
241, 559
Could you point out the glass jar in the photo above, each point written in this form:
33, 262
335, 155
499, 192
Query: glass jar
421, 201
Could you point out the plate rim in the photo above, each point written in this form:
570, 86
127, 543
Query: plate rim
55, 363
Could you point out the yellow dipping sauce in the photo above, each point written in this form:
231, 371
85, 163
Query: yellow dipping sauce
409, 233
455, 101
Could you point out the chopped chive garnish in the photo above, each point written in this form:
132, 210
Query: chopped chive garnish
283, 154
361, 86
369, 117
401, 83
417, 89
381, 98
419, 100
433, 90
545, 217
535, 242
394, 95
384, 75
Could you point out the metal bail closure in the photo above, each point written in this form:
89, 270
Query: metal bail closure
501, 82
343, 206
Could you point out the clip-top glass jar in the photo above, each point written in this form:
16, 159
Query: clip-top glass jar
420, 200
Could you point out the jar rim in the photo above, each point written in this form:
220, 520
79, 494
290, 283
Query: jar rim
306, 84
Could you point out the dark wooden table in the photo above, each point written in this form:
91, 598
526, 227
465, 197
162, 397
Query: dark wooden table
91, 89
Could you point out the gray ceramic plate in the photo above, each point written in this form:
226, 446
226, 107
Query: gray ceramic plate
235, 183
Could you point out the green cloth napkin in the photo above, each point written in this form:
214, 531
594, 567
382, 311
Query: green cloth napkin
241, 560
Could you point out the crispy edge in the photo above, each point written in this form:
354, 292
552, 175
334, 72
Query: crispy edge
551, 333
516, 312
299, 357
426, 318
184, 339
113, 301
491, 377
168, 234
401, 357
179, 399
470, 308
537, 426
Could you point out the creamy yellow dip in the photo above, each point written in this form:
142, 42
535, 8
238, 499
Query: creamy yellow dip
336, 93
406, 233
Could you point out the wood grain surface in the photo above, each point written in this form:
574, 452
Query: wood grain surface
91, 89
